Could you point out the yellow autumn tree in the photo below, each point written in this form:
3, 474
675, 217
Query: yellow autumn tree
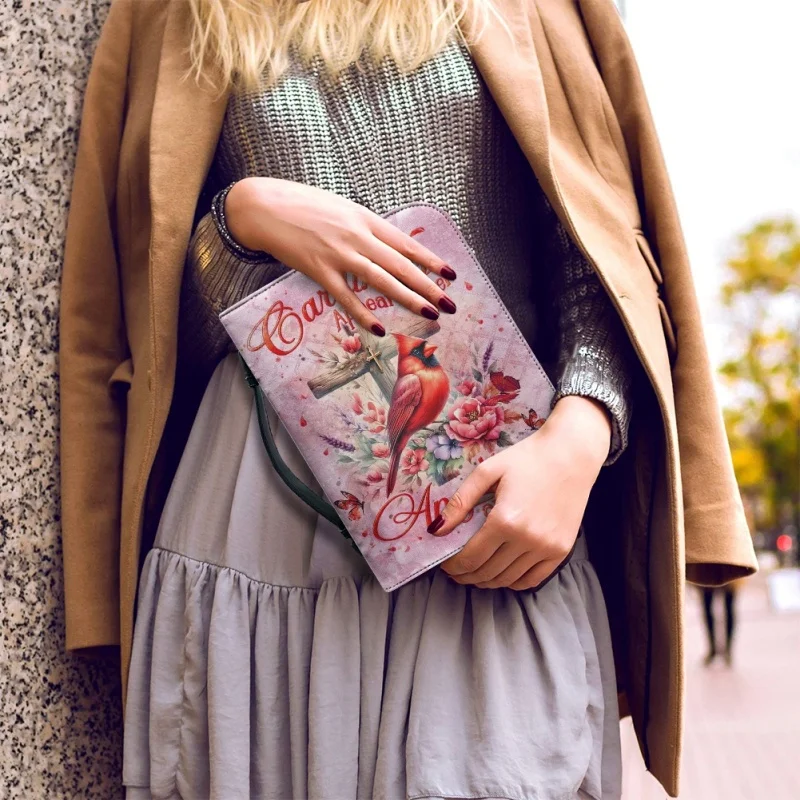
761, 295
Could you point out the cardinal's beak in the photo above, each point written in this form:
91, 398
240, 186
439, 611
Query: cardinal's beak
429, 350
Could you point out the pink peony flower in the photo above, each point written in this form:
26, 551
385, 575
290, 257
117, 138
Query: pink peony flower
357, 404
381, 450
467, 387
414, 461
352, 344
472, 419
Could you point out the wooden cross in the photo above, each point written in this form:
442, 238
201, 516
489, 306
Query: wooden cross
373, 359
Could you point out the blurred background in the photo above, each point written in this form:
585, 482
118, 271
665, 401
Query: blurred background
720, 75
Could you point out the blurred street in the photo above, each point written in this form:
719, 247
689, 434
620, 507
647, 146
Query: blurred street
742, 723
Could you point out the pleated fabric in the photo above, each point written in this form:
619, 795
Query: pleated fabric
268, 663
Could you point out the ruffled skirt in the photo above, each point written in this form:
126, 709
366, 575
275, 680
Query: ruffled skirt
268, 663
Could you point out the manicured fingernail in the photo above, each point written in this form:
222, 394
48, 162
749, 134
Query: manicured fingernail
378, 329
429, 312
436, 524
447, 305
448, 273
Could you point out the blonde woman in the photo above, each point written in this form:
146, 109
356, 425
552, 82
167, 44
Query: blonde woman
225, 142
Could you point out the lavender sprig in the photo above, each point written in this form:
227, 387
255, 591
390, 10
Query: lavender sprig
487, 356
338, 444
344, 417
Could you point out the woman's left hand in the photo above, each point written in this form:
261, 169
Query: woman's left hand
541, 487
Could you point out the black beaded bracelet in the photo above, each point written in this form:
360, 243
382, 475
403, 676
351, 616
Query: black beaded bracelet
218, 214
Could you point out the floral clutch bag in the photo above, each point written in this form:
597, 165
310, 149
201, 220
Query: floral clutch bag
390, 426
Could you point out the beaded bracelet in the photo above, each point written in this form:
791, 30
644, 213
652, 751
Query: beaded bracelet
218, 214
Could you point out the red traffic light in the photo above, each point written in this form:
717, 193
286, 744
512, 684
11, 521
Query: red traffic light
784, 543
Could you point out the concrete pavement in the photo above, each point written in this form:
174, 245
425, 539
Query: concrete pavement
742, 723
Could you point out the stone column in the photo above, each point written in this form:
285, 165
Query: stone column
60, 722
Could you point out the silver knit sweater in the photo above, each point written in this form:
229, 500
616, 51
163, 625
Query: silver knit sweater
384, 139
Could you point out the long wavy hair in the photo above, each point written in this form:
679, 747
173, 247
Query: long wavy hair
246, 42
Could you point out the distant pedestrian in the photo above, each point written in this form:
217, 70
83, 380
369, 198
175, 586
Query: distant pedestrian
728, 593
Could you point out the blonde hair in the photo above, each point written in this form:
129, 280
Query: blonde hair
247, 41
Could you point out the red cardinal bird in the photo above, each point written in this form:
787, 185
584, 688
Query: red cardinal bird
418, 397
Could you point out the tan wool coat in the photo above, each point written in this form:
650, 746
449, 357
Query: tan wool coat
667, 510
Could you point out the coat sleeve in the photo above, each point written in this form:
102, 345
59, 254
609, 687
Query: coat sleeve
718, 543
93, 353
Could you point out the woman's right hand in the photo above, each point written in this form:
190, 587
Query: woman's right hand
326, 236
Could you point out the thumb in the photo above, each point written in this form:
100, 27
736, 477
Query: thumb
478, 483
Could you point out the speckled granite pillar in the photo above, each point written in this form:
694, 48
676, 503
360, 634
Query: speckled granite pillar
60, 726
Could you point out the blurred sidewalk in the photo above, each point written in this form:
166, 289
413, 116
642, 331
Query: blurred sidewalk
742, 724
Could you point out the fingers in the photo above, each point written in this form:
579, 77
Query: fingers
409, 247
386, 284
386, 259
513, 572
483, 555
392, 274
337, 287
533, 578
427, 304
526, 572
485, 563
480, 550
509, 551
478, 483
543, 572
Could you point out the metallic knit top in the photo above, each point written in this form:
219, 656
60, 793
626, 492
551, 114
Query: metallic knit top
383, 139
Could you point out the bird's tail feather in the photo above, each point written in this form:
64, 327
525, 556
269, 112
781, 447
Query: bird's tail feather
394, 465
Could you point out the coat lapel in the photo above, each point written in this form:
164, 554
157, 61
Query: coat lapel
523, 81
511, 71
527, 87
185, 126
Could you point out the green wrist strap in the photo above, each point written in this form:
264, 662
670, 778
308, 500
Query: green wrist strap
304, 492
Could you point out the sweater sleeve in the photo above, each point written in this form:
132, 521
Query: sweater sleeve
218, 273
593, 352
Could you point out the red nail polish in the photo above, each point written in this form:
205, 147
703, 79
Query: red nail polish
436, 524
447, 305
429, 312
448, 273
378, 330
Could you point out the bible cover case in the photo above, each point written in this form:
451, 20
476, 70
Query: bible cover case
390, 426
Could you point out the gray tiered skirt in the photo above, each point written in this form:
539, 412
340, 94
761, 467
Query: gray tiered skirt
268, 663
